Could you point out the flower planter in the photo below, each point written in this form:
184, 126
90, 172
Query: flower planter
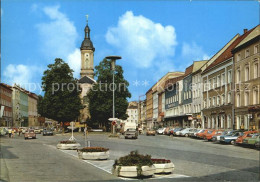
68, 146
93, 155
164, 168
131, 171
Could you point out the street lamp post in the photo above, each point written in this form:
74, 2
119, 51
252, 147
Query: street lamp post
113, 60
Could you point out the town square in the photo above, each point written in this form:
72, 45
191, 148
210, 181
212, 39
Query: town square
130, 90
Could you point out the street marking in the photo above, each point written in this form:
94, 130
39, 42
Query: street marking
106, 165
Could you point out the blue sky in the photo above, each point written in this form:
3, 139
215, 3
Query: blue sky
153, 37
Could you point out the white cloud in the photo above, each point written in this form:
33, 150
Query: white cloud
58, 37
193, 52
20, 74
141, 40
74, 62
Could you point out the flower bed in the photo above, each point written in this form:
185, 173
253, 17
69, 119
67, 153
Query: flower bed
163, 166
93, 153
68, 145
134, 165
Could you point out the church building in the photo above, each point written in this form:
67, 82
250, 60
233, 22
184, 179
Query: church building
87, 72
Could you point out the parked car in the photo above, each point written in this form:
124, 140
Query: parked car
47, 132
202, 133
131, 133
212, 133
37, 131
252, 141
186, 131
231, 138
216, 138
3, 131
240, 139
29, 134
178, 133
150, 132
193, 134
160, 131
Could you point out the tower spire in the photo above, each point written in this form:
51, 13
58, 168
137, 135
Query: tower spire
87, 19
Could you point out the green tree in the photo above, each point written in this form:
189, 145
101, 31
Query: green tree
101, 96
61, 100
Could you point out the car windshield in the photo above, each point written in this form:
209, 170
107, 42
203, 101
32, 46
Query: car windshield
31, 131
209, 132
255, 135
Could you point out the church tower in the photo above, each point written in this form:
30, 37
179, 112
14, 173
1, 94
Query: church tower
87, 55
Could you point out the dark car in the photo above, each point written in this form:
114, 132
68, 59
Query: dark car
47, 132
131, 133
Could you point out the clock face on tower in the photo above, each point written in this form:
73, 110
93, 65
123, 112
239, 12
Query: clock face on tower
87, 57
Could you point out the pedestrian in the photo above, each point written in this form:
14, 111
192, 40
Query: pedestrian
12, 133
9, 132
20, 130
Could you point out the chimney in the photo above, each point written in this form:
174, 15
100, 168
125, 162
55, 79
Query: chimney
245, 30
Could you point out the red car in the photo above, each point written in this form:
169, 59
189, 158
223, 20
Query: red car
30, 134
239, 140
202, 134
210, 134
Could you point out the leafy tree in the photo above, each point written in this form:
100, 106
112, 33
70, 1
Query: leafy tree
61, 101
101, 96
40, 106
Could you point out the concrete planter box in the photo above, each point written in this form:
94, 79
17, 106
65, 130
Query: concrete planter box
164, 168
69, 146
93, 155
131, 171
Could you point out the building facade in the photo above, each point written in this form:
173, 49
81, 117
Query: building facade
32, 110
197, 94
247, 81
149, 108
6, 105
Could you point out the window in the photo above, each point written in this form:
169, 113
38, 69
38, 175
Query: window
229, 121
209, 102
229, 76
213, 122
255, 97
238, 122
209, 122
214, 82
246, 122
223, 99
238, 75
238, 57
246, 98
210, 83
213, 101
256, 70
247, 73
247, 53
256, 49
222, 118
205, 85
238, 100
205, 103
229, 97
223, 79
218, 81
218, 100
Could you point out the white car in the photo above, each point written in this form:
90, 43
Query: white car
160, 131
186, 131
178, 133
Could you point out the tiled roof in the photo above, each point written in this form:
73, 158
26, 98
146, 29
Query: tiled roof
172, 81
227, 53
253, 33
188, 70
86, 79
7, 86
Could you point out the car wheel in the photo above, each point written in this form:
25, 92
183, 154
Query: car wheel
233, 142
125, 137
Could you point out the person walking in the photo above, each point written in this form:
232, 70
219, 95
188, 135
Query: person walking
12, 133
9, 132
